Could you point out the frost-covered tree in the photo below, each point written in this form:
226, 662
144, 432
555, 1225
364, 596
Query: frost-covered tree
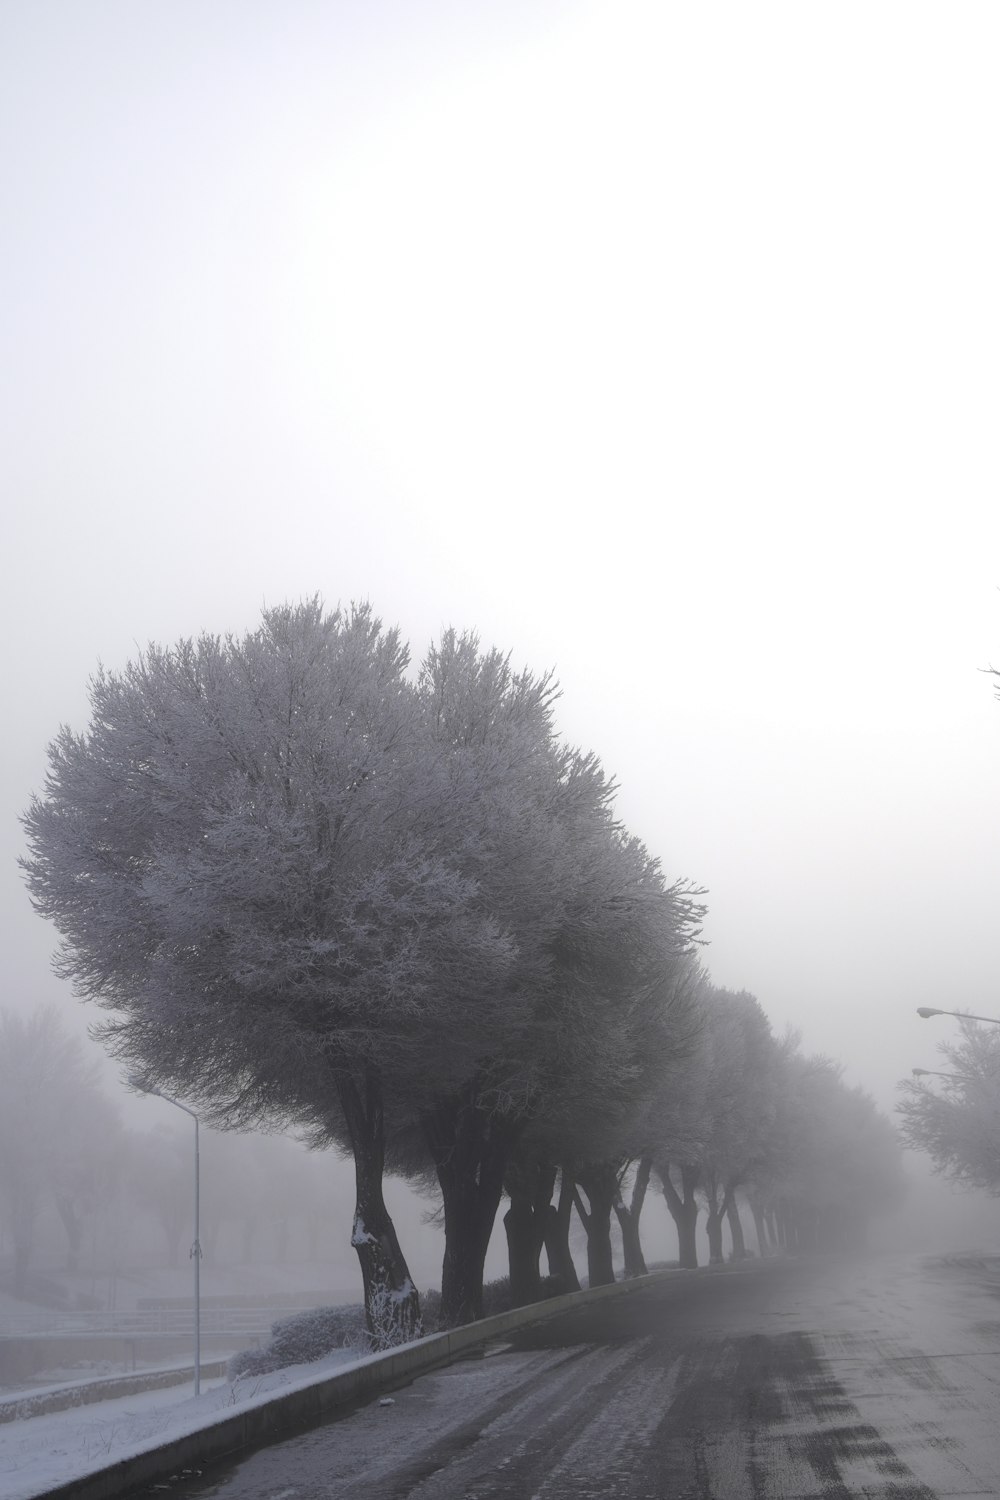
592, 1127
240, 855
717, 1119
741, 1084
956, 1119
680, 1137
614, 1153
590, 919
844, 1165
832, 1160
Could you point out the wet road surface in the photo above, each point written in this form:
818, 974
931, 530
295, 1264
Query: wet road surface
774, 1381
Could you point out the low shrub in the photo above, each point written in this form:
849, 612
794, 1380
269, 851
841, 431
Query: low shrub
303, 1338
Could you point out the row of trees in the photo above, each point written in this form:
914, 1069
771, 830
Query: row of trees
76, 1182
396, 913
744, 1118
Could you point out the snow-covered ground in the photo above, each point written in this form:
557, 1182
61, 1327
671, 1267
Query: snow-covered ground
38, 1453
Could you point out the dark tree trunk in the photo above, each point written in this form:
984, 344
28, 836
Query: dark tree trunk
718, 1199
713, 1228
628, 1219
599, 1181
522, 1251
736, 1229
760, 1228
529, 1187
392, 1307
557, 1222
683, 1208
470, 1147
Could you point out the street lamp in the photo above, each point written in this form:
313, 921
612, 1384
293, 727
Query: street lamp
144, 1088
933, 1073
926, 1011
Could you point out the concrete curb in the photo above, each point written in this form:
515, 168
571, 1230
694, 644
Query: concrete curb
85, 1392
294, 1411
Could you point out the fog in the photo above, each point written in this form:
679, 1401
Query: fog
655, 344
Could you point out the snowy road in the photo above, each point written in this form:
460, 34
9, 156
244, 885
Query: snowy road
797, 1379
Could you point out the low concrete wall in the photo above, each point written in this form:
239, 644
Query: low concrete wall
283, 1415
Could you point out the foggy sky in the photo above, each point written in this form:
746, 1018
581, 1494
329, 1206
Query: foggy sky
657, 343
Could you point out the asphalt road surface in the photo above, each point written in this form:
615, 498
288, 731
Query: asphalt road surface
810, 1378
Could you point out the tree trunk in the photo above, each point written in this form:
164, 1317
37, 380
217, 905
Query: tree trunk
628, 1219
392, 1307
529, 1187
522, 1250
736, 1229
760, 1228
470, 1147
683, 1208
599, 1181
556, 1229
718, 1199
713, 1228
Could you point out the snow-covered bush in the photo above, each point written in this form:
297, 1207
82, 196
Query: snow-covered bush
303, 1338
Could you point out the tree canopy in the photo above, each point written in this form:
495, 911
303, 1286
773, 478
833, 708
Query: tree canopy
956, 1118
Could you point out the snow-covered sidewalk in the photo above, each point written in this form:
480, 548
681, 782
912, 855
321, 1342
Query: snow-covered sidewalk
41, 1452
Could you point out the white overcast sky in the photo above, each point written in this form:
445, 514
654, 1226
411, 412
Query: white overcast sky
659, 343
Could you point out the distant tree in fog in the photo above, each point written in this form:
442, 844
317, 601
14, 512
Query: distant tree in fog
956, 1120
90, 1170
159, 1182
57, 1131
836, 1161
749, 1116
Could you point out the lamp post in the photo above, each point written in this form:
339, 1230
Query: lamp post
144, 1088
933, 1073
926, 1011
